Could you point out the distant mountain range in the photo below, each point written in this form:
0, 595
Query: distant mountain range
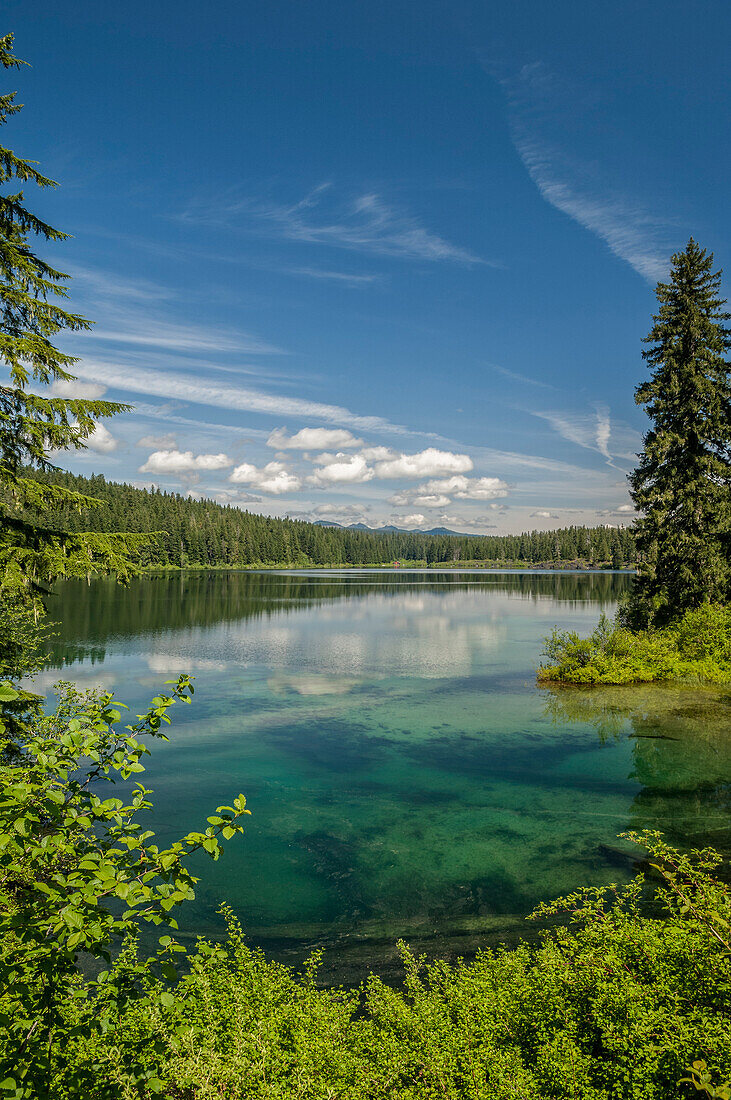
390, 529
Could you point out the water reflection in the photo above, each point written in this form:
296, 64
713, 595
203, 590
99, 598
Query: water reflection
91, 615
681, 753
406, 774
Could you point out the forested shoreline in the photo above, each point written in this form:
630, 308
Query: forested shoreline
201, 533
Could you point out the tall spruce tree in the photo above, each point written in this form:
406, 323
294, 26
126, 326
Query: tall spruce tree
32, 426
682, 484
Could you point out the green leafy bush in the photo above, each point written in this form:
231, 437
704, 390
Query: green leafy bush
613, 1005
697, 647
78, 874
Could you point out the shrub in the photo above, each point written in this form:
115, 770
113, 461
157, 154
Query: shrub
697, 647
613, 1005
78, 874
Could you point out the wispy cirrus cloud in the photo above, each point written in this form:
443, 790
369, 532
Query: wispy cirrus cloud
185, 387
516, 376
333, 276
589, 430
542, 113
152, 332
363, 223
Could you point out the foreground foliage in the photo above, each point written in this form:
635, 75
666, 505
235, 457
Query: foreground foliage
614, 1005
78, 875
694, 648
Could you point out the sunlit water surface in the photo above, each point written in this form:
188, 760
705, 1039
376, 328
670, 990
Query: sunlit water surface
406, 775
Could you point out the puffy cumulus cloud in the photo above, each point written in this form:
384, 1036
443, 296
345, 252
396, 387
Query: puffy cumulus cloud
312, 439
343, 514
234, 497
379, 454
179, 462
273, 478
101, 440
623, 510
414, 519
541, 514
422, 500
340, 469
463, 523
428, 463
438, 492
467, 488
75, 388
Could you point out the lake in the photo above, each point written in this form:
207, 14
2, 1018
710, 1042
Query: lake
406, 775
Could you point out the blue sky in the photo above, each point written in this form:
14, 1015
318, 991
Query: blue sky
375, 261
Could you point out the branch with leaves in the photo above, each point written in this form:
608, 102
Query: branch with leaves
78, 873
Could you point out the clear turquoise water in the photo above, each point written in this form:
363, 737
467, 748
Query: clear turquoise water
406, 775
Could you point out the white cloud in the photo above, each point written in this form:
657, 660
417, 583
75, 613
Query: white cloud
134, 328
312, 439
541, 514
365, 223
73, 387
424, 464
379, 454
624, 510
438, 493
415, 519
186, 387
159, 442
336, 276
106, 286
337, 513
422, 500
340, 469
569, 184
603, 431
101, 440
273, 478
468, 488
523, 378
233, 497
589, 430
177, 462
323, 510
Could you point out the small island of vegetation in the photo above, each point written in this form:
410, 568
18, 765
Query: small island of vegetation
676, 624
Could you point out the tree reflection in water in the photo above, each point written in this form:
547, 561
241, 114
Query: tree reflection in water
681, 753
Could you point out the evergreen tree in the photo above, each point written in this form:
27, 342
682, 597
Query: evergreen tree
681, 485
32, 427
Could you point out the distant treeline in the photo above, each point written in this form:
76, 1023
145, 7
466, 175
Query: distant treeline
203, 533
